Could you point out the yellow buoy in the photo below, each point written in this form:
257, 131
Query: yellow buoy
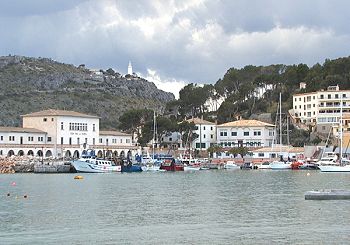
78, 177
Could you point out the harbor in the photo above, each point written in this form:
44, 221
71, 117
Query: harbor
198, 207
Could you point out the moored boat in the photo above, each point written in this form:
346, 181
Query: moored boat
280, 165
231, 165
90, 164
172, 165
264, 165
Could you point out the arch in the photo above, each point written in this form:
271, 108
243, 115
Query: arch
122, 154
109, 154
10, 153
68, 154
20, 153
129, 154
99, 154
76, 154
115, 154
39, 153
30, 153
48, 153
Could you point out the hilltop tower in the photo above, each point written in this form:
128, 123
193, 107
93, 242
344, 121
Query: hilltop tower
130, 68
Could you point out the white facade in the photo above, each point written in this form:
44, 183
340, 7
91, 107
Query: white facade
245, 133
322, 107
130, 68
60, 133
206, 132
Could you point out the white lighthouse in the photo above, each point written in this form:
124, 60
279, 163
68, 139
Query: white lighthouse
130, 68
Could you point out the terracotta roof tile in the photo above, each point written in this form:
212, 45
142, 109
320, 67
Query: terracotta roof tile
20, 130
52, 112
197, 120
113, 133
246, 123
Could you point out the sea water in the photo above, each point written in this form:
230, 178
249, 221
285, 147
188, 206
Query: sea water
202, 207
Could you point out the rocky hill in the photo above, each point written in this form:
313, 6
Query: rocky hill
33, 84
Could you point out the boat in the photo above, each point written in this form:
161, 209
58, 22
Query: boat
246, 165
280, 165
328, 195
264, 165
231, 165
89, 163
296, 165
192, 167
171, 165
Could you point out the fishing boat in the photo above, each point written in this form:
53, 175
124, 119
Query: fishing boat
172, 165
89, 163
231, 165
264, 165
280, 165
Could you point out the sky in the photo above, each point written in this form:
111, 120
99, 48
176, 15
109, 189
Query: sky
176, 42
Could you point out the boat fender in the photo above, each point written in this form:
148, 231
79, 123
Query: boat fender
78, 177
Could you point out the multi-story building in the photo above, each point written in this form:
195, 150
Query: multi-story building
58, 133
206, 132
245, 133
322, 108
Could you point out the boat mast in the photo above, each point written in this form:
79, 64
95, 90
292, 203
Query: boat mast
154, 134
280, 123
341, 128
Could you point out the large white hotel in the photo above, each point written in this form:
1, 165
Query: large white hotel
322, 108
61, 133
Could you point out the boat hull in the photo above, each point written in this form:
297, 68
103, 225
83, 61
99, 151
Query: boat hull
329, 168
131, 169
280, 166
84, 167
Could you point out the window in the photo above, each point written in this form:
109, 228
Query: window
322, 96
261, 154
1, 138
11, 138
78, 141
70, 140
61, 140
48, 139
85, 140
93, 141
211, 128
170, 139
246, 133
313, 105
127, 141
203, 136
100, 140
223, 133
257, 133
336, 96
40, 139
211, 136
295, 107
52, 119
93, 127
61, 125
44, 119
233, 133
106, 141
329, 96
344, 95
121, 141
203, 127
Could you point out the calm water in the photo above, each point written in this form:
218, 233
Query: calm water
206, 207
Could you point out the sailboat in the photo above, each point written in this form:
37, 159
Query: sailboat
151, 165
280, 165
342, 165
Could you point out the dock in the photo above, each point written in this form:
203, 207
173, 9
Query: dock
332, 194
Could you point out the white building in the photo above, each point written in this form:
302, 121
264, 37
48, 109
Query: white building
60, 133
130, 68
245, 133
206, 132
321, 108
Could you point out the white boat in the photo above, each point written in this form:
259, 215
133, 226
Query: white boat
279, 165
264, 165
192, 167
231, 165
151, 168
334, 168
329, 159
90, 164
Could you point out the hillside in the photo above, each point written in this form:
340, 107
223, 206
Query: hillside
33, 84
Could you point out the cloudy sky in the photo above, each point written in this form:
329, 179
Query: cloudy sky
174, 42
